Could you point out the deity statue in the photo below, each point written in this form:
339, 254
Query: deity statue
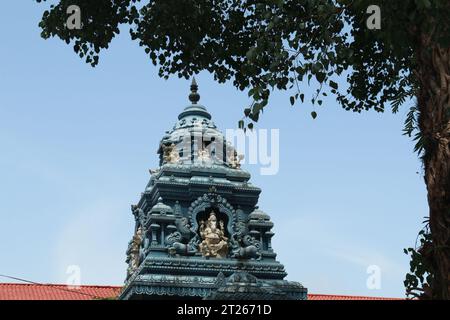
234, 159
133, 251
203, 154
214, 243
139, 214
170, 154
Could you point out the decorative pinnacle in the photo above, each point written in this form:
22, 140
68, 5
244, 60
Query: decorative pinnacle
194, 96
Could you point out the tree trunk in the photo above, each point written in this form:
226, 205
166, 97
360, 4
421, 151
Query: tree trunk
433, 73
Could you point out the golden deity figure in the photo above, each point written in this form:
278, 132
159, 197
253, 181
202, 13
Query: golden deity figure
214, 242
203, 155
170, 154
133, 251
234, 159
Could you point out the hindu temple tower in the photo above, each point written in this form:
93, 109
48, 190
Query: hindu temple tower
199, 233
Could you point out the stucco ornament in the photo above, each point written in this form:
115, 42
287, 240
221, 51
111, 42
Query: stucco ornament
133, 251
214, 242
244, 245
183, 241
139, 215
203, 155
234, 159
170, 154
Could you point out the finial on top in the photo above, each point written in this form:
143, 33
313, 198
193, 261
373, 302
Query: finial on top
194, 96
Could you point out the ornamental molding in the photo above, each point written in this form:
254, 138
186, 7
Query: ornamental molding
169, 291
198, 266
215, 201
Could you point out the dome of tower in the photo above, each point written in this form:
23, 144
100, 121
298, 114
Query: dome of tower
195, 139
195, 114
161, 208
258, 215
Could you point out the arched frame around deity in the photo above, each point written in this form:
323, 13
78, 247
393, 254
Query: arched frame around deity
214, 201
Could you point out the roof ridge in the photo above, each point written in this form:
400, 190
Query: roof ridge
59, 285
349, 295
25, 290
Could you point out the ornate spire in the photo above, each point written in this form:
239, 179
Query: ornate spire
194, 109
194, 96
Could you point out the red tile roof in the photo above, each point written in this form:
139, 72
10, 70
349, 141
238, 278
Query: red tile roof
19, 291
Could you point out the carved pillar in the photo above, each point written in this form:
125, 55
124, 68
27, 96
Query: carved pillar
154, 227
269, 234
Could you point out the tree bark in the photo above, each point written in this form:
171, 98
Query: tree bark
433, 72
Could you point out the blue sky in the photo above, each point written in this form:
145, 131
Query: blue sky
76, 144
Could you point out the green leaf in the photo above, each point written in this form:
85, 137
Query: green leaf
314, 114
320, 77
254, 116
334, 85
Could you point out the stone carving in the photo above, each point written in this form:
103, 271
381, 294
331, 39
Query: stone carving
177, 209
203, 155
214, 242
208, 200
133, 258
170, 154
244, 246
183, 241
234, 159
242, 285
139, 215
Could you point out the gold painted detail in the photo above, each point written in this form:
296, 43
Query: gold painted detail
214, 242
170, 154
134, 250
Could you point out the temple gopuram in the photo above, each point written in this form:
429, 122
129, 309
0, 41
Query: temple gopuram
199, 233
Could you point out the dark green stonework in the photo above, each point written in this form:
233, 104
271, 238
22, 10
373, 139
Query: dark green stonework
168, 257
